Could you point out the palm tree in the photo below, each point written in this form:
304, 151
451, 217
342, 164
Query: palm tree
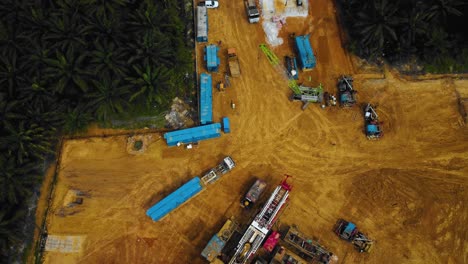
108, 27
10, 73
27, 141
377, 24
34, 60
109, 97
35, 24
151, 83
67, 71
10, 41
438, 43
9, 231
9, 111
37, 94
441, 9
104, 7
49, 117
108, 59
417, 23
67, 32
76, 119
16, 180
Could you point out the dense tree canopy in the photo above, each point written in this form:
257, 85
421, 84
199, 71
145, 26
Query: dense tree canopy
66, 63
399, 31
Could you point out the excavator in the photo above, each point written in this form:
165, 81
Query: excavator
301, 93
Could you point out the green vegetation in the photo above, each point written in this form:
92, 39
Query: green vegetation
66, 63
431, 32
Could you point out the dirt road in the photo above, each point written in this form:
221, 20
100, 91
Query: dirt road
407, 191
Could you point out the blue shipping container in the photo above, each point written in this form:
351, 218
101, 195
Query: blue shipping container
211, 58
226, 125
175, 199
194, 134
202, 24
306, 54
206, 99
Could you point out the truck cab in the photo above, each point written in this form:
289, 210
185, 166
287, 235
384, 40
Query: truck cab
229, 163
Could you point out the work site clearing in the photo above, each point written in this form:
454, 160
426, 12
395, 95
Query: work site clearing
406, 191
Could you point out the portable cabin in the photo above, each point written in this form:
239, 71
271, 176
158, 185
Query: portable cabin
211, 57
306, 54
202, 24
206, 99
193, 135
226, 125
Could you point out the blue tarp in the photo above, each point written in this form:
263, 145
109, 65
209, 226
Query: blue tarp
211, 58
306, 54
372, 129
213, 248
175, 199
194, 134
206, 99
226, 125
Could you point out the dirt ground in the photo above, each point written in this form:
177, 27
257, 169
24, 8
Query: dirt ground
407, 191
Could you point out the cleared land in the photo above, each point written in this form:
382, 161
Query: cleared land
406, 191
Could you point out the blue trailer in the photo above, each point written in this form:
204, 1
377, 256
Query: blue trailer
206, 99
306, 54
175, 199
202, 24
211, 57
193, 135
226, 125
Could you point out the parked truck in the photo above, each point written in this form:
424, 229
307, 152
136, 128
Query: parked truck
291, 66
215, 173
253, 194
216, 244
372, 125
346, 93
253, 15
233, 62
349, 232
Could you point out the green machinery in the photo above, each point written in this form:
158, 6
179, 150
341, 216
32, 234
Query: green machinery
300, 93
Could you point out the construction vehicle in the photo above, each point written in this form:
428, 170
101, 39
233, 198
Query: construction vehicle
309, 95
291, 66
307, 248
189, 190
253, 194
218, 241
372, 124
233, 62
253, 15
261, 225
215, 173
300, 93
349, 232
346, 93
